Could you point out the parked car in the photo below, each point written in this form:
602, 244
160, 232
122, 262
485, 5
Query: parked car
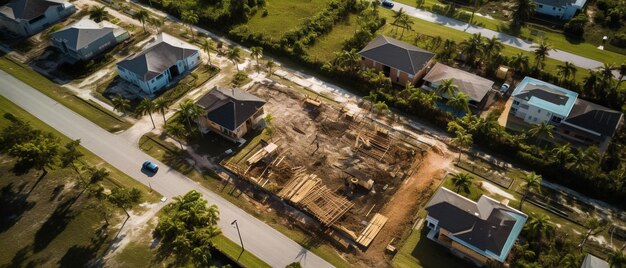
504, 88
387, 3
152, 167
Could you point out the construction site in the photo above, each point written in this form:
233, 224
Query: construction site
337, 166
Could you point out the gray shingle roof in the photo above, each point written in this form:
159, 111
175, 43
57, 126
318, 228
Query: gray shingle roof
473, 85
83, 33
230, 107
594, 117
397, 54
158, 56
28, 9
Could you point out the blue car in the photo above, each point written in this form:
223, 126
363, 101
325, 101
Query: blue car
387, 3
152, 167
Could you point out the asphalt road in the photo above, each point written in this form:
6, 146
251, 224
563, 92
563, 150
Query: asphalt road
258, 238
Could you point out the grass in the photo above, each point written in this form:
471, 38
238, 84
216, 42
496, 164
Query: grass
91, 111
284, 15
232, 250
419, 251
166, 152
333, 41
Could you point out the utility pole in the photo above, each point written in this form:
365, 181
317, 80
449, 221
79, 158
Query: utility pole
234, 223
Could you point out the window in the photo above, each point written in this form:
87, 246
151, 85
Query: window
535, 119
540, 6
515, 102
539, 111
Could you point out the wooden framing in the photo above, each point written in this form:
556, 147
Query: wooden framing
371, 230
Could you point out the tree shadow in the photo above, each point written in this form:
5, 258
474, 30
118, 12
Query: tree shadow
86, 255
14, 204
54, 225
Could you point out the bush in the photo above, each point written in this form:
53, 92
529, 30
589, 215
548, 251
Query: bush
576, 26
265, 12
619, 40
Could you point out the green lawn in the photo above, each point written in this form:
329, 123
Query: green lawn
89, 110
284, 15
333, 41
419, 251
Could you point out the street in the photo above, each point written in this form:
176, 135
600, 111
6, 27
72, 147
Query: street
259, 238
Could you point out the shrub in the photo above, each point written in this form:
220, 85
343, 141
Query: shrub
265, 12
619, 40
576, 26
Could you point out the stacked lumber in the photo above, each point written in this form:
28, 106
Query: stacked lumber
262, 153
371, 230
299, 186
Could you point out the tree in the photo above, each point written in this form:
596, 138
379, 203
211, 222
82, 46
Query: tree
397, 17
462, 138
178, 131
71, 154
97, 13
492, 47
256, 53
190, 111
459, 102
472, 48
541, 130
448, 51
519, 62
542, 51
570, 261
124, 198
189, 17
562, 154
270, 65
234, 55
207, 46
585, 158
380, 107
617, 259
419, 3
622, 73
142, 16
121, 105
146, 106
155, 22
405, 22
523, 10
606, 72
462, 182
347, 60
187, 228
39, 153
533, 183
566, 70
538, 226
594, 226
447, 89
592, 84
98, 193
17, 132
161, 105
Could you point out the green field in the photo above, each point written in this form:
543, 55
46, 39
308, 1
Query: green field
55, 225
284, 15
89, 110
333, 41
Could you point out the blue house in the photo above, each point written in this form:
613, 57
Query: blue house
28, 17
87, 38
160, 63
478, 232
562, 9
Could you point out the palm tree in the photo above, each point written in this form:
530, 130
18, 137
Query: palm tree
459, 103
606, 72
541, 130
155, 22
562, 154
121, 105
519, 62
493, 47
347, 59
533, 183
71, 154
523, 10
585, 158
207, 46
256, 53
142, 16
570, 261
161, 105
406, 23
447, 89
448, 51
190, 111
146, 106
178, 131
542, 51
592, 84
234, 55
472, 48
566, 70
622, 73
97, 13
397, 17
462, 182
594, 226
270, 65
190, 18
537, 226
463, 140
617, 259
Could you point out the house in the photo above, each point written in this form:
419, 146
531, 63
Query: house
474, 86
575, 120
230, 112
28, 17
87, 38
476, 231
160, 63
399, 61
562, 9
591, 261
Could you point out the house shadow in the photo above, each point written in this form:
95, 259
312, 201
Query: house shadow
431, 254
14, 205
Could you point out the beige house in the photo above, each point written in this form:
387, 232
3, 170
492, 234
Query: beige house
475, 87
399, 61
230, 112
475, 231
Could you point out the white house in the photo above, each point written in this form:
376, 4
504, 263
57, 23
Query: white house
159, 63
562, 9
87, 38
28, 17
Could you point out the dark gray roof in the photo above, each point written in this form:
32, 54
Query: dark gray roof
28, 9
230, 107
157, 58
83, 33
594, 117
549, 96
397, 54
485, 224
